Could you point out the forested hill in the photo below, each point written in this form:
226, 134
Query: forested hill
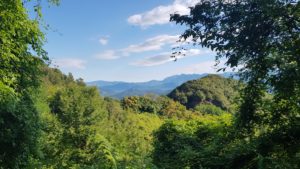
120, 89
211, 89
81, 129
49, 120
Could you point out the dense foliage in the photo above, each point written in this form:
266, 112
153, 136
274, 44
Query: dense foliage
212, 89
262, 38
130, 134
80, 129
160, 105
212, 142
68, 137
20, 40
51, 120
192, 144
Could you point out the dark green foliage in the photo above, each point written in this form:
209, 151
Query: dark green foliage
191, 144
54, 77
64, 124
206, 141
263, 38
73, 140
209, 109
19, 126
172, 109
141, 103
20, 40
212, 142
160, 105
212, 89
19, 34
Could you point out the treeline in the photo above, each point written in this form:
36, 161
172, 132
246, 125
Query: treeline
81, 129
77, 128
259, 38
50, 120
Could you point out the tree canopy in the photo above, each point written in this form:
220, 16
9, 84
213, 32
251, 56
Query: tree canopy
263, 38
212, 89
50, 120
21, 55
260, 38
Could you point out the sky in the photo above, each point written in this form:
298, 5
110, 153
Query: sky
114, 40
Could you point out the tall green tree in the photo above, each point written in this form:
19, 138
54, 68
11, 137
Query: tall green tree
21, 55
77, 109
261, 36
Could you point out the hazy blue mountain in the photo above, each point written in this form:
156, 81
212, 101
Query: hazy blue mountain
120, 89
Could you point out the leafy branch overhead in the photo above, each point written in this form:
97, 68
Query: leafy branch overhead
260, 36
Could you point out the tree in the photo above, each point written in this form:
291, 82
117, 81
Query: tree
142, 104
20, 40
77, 109
195, 143
263, 38
172, 109
130, 134
212, 89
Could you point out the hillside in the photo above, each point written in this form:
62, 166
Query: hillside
120, 89
211, 89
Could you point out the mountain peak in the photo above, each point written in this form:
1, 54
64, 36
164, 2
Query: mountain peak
119, 89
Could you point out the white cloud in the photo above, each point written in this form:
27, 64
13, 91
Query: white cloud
151, 44
161, 14
193, 52
70, 63
107, 55
166, 57
154, 60
103, 40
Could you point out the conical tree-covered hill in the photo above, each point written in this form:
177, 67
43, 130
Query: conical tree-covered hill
211, 89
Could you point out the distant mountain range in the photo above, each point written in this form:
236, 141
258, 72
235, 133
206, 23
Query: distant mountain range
118, 89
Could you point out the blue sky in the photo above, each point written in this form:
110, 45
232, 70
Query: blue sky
128, 40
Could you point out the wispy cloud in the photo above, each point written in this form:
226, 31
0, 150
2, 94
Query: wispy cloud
107, 55
103, 40
161, 14
70, 63
154, 60
151, 44
166, 57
